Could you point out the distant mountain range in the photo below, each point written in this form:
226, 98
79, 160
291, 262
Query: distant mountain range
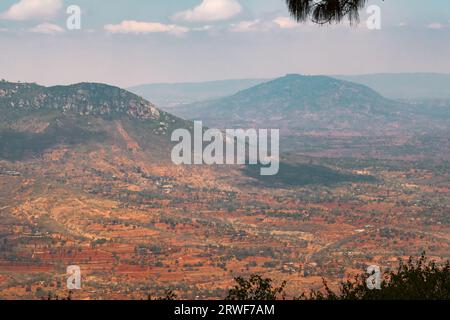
321, 114
394, 86
89, 125
167, 96
314, 114
406, 85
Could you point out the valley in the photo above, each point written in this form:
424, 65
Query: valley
177, 229
99, 191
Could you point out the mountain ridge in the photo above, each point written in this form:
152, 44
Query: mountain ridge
83, 98
170, 95
37, 119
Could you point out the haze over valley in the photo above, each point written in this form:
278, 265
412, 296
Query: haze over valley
98, 96
86, 179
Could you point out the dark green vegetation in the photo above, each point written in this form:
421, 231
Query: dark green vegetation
255, 288
417, 279
305, 174
19, 145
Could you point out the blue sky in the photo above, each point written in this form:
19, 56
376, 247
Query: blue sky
141, 41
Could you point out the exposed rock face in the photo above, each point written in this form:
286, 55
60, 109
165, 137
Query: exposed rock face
35, 120
83, 99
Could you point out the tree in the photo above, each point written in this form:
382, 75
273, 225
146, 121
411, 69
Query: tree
325, 11
169, 295
255, 288
417, 279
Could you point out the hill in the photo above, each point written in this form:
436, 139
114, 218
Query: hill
390, 85
324, 116
82, 99
297, 103
36, 118
85, 117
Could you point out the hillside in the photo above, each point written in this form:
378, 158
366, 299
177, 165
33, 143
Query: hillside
323, 116
37, 118
82, 99
296, 102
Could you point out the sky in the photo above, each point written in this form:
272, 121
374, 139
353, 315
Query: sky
131, 42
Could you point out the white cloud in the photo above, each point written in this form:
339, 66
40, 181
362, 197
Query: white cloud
246, 26
211, 10
264, 25
436, 26
285, 23
137, 27
32, 10
47, 28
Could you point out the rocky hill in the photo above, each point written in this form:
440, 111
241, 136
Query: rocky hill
82, 99
36, 119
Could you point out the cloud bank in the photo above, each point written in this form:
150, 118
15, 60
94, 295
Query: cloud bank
138, 27
47, 28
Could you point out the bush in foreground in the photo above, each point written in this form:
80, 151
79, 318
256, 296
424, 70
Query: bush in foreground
255, 288
416, 279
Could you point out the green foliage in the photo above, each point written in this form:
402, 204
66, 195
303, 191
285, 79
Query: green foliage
18, 145
51, 296
417, 279
256, 288
169, 295
305, 174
